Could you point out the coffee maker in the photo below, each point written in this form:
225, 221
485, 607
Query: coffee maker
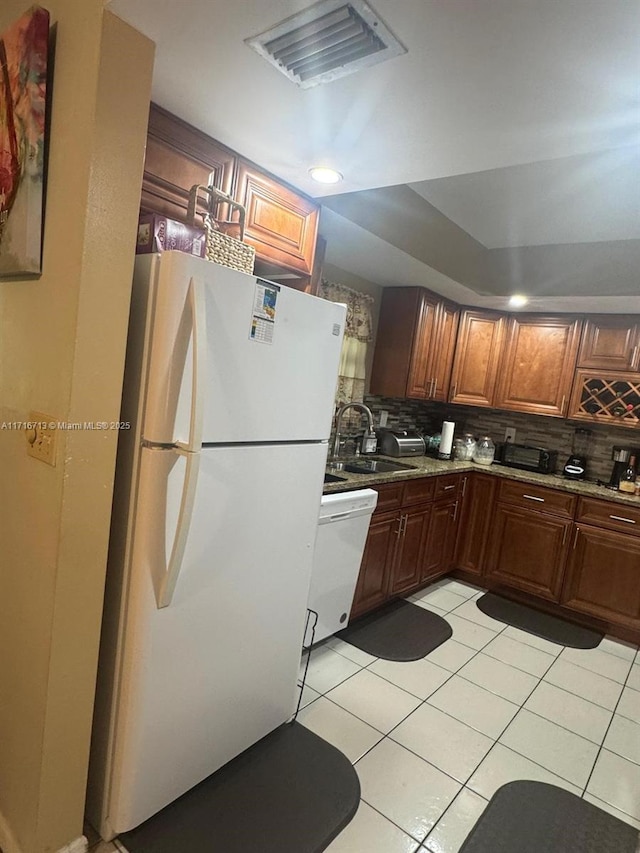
621, 457
575, 468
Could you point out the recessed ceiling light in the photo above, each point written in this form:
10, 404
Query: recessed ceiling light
325, 175
517, 300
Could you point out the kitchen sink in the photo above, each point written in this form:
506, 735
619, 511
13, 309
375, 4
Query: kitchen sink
375, 466
331, 478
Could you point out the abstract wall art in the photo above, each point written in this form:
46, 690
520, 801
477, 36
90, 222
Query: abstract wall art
23, 98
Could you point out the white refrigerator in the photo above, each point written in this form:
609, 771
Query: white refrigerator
229, 390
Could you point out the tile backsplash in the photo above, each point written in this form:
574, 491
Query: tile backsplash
551, 433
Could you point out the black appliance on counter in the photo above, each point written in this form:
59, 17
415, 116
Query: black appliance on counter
527, 457
621, 457
575, 468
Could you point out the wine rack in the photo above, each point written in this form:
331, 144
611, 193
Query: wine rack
611, 398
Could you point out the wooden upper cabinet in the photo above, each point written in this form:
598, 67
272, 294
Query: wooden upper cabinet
414, 345
610, 342
281, 224
477, 356
419, 380
443, 348
177, 157
538, 363
404, 315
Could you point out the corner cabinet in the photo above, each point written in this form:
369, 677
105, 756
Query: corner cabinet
537, 364
414, 345
478, 494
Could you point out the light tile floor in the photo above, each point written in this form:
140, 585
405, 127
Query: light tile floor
432, 740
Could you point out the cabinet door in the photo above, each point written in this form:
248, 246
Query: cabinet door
420, 378
475, 364
411, 545
603, 576
177, 157
610, 342
442, 350
372, 589
477, 510
538, 363
438, 553
527, 550
405, 317
281, 224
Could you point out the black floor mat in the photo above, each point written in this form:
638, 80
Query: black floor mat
533, 817
290, 793
541, 624
400, 631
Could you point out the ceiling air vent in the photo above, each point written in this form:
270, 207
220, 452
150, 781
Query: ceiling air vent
328, 40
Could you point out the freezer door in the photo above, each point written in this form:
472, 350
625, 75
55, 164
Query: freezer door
235, 359
207, 676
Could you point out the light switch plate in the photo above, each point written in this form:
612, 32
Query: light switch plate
41, 435
384, 417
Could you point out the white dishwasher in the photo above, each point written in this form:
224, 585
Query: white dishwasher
340, 539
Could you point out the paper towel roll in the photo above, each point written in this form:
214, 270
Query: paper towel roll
446, 440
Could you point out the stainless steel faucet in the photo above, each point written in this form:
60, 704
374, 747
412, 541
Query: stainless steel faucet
370, 431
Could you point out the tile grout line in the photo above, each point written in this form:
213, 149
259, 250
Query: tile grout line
601, 747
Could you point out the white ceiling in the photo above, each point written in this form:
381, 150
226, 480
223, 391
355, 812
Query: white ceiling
485, 85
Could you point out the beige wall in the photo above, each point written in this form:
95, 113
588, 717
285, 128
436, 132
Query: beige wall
62, 340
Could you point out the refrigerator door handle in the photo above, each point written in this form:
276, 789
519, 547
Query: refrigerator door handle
199, 356
169, 580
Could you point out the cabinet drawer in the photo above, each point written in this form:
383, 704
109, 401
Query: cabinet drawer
614, 516
537, 497
419, 491
448, 486
389, 496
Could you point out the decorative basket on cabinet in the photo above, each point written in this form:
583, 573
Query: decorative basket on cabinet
222, 248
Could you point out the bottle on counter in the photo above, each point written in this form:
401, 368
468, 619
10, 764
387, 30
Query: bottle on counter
627, 482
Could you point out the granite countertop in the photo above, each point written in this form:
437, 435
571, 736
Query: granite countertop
425, 466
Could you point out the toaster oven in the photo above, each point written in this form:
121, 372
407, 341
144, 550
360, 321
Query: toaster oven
400, 442
528, 458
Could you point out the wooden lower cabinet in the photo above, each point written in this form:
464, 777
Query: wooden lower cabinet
373, 585
527, 550
408, 567
437, 558
509, 534
603, 576
409, 546
477, 508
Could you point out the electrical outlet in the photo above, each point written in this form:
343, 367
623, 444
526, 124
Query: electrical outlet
384, 417
41, 437
510, 434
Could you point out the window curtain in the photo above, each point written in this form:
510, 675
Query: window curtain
358, 334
